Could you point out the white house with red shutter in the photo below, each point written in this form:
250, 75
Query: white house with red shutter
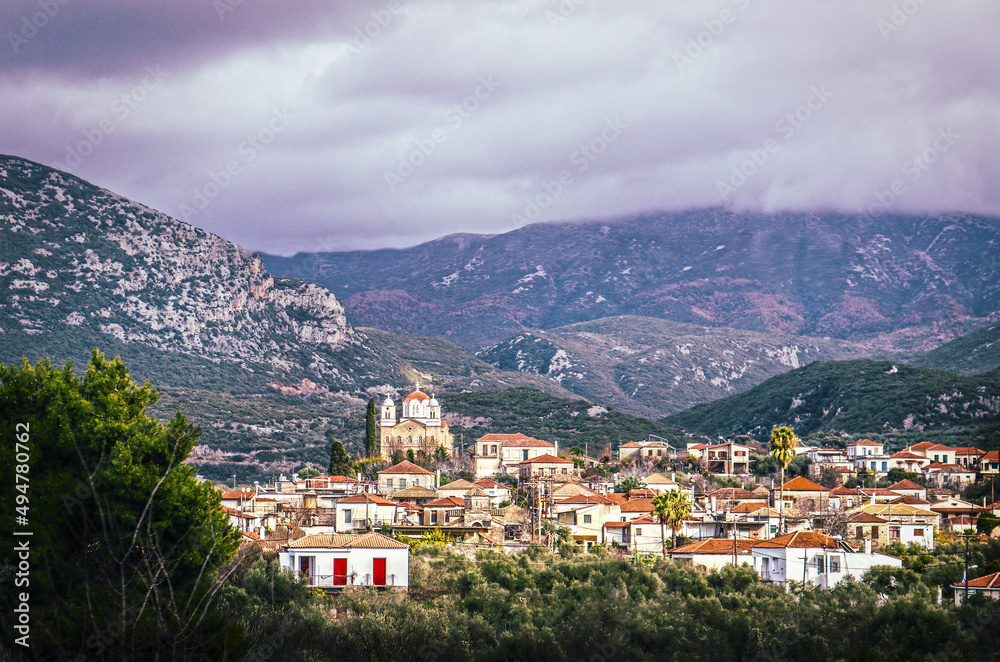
334, 561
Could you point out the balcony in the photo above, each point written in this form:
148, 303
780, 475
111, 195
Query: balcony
342, 581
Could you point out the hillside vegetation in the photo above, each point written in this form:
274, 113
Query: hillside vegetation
970, 354
852, 396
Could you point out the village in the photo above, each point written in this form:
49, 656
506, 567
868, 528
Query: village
650, 499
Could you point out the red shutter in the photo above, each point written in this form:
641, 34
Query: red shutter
340, 572
378, 570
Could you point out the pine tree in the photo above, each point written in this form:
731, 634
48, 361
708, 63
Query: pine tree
371, 436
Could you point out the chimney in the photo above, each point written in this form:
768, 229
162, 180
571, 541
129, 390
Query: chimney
437, 480
868, 545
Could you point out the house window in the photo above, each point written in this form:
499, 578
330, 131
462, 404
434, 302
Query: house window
564, 470
893, 533
638, 532
883, 466
434, 518
820, 565
835, 564
347, 517
587, 519
388, 483
919, 533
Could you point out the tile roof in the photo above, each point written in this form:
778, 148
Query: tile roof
912, 500
878, 491
986, 581
645, 519
415, 492
364, 497
405, 467
637, 506
372, 540
735, 493
803, 484
748, 507
491, 484
905, 455
585, 499
906, 484
615, 525
898, 509
659, 479
516, 440
716, 546
446, 502
615, 497
866, 517
800, 540
238, 495
342, 479
547, 459
865, 442
460, 484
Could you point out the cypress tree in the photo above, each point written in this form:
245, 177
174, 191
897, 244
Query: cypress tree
371, 436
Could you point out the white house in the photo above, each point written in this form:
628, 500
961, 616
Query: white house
809, 557
338, 560
988, 585
497, 492
363, 511
713, 553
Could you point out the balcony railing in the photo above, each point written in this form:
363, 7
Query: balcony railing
353, 579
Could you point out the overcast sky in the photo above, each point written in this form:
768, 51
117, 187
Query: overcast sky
348, 125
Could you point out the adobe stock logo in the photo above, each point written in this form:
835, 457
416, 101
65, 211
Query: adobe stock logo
248, 151
787, 126
421, 149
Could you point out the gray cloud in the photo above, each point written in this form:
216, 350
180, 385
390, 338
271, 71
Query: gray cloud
301, 126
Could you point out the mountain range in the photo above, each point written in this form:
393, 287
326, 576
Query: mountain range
900, 282
267, 364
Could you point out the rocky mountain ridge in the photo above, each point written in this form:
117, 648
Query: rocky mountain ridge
652, 367
905, 282
79, 259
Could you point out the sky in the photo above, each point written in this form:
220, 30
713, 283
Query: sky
314, 125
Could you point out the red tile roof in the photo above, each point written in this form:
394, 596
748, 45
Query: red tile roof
716, 546
446, 502
803, 484
547, 459
906, 484
800, 540
405, 467
364, 497
585, 499
238, 495
516, 440
986, 581
616, 497
637, 506
904, 455
865, 442
491, 484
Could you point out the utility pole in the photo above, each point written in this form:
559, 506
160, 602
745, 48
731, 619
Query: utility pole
965, 575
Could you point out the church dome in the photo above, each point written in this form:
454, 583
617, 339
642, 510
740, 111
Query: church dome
388, 402
416, 395
434, 401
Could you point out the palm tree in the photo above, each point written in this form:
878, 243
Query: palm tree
671, 507
783, 443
